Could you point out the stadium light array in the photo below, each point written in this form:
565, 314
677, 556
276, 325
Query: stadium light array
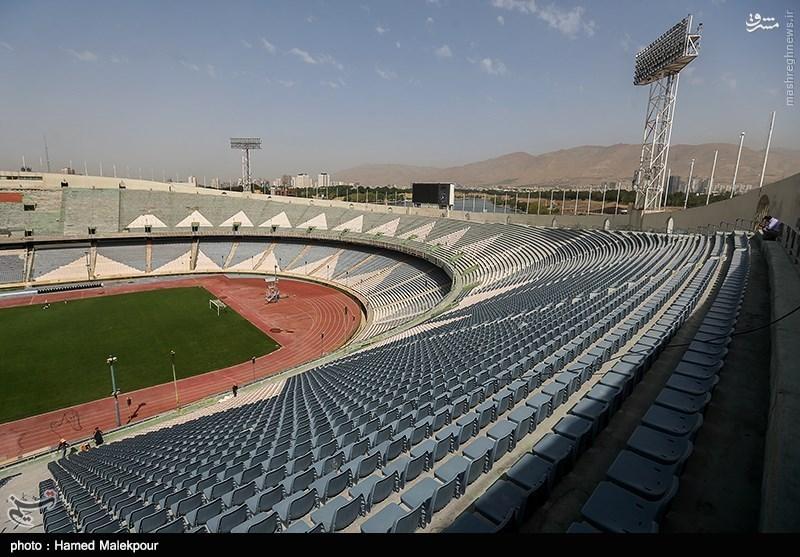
666, 55
658, 65
174, 379
111, 360
246, 144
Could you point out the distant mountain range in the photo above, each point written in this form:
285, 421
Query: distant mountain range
588, 164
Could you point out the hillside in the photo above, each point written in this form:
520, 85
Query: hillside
588, 164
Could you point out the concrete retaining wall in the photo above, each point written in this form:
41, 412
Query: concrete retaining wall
780, 487
781, 199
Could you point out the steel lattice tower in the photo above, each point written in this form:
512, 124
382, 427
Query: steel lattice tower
245, 144
658, 65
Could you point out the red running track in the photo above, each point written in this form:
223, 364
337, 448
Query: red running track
304, 311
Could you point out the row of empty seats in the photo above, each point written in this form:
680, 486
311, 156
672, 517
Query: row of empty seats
12, 266
388, 437
642, 481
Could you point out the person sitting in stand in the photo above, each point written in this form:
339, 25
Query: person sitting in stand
770, 228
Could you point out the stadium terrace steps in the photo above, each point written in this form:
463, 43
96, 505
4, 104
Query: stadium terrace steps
128, 254
476, 411
63, 264
396, 435
171, 256
644, 478
12, 266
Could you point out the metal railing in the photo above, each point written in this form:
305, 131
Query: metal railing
790, 240
745, 224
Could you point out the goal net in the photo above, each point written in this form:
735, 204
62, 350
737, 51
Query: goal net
217, 305
272, 293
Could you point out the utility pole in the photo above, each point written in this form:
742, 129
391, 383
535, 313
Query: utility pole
736, 168
766, 152
688, 185
174, 379
114, 392
603, 204
589, 207
46, 153
711, 180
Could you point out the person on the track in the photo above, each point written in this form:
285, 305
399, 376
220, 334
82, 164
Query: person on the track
63, 446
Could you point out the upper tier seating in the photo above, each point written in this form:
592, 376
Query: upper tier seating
12, 266
387, 438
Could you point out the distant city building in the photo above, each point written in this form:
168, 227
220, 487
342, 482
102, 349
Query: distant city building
286, 181
302, 180
323, 180
66, 170
674, 185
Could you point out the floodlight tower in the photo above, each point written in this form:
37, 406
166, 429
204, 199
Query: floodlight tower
245, 144
658, 65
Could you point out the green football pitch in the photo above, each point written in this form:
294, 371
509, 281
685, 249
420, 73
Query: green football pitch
56, 357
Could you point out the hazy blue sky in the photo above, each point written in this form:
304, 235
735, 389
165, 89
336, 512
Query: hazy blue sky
330, 84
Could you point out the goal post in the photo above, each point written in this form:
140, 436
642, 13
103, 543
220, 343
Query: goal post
272, 294
217, 305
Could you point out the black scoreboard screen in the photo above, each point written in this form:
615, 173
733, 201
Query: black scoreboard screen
429, 193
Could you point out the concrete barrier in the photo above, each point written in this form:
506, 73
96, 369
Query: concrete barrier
780, 487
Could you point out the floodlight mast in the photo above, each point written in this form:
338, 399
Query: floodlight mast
658, 65
245, 144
